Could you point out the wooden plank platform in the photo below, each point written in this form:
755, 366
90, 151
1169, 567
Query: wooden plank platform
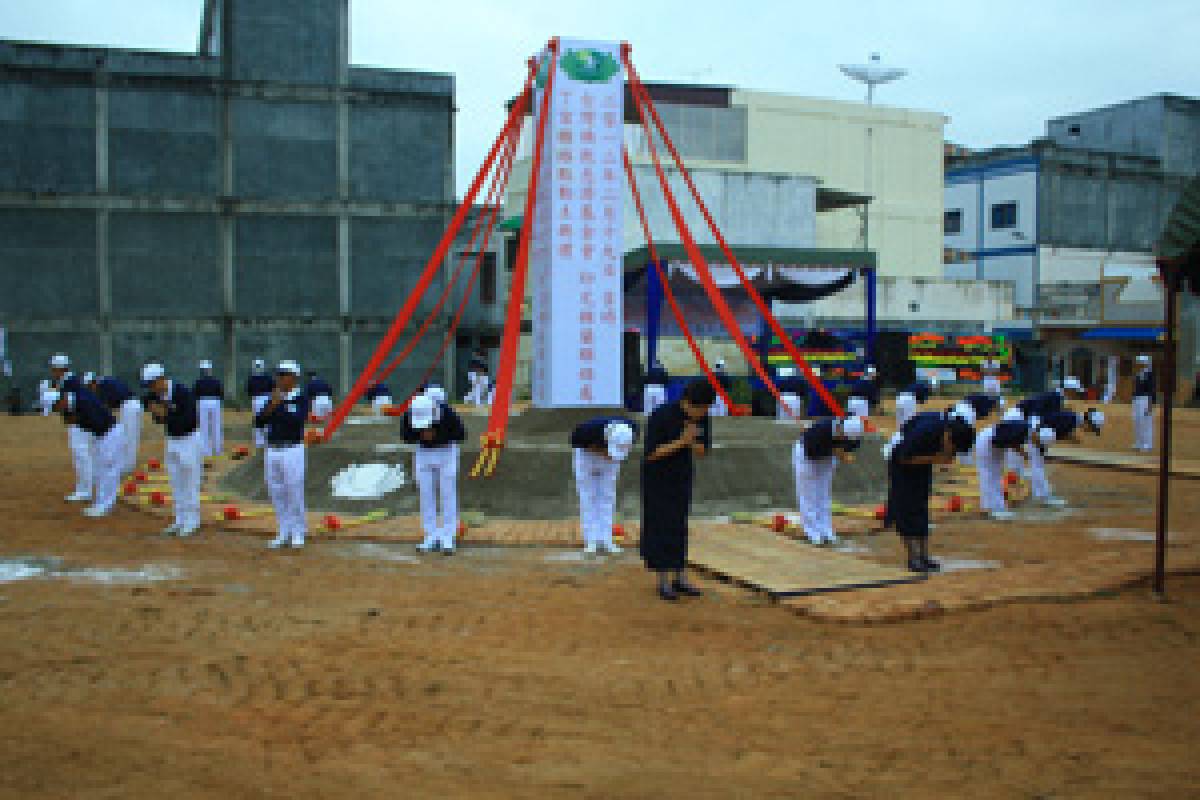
782, 567
1128, 462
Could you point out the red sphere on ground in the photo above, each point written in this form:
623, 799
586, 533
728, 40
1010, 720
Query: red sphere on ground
331, 522
231, 513
158, 498
154, 463
880, 512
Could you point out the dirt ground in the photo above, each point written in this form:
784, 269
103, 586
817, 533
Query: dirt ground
356, 671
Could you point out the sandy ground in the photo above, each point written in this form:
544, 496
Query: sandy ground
358, 671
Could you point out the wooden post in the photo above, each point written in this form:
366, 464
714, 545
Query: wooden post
1170, 298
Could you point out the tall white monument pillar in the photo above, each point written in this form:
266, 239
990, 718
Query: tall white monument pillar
577, 245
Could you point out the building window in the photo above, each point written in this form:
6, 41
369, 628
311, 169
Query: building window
1004, 216
952, 222
487, 280
1074, 130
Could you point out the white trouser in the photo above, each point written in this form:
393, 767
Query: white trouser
1015, 464
480, 393
719, 409
858, 407
436, 471
185, 470
967, 458
991, 385
989, 463
257, 403
814, 494
653, 396
1110, 388
322, 406
209, 411
1039, 483
1143, 423
596, 482
106, 467
906, 408
284, 468
48, 399
80, 442
131, 434
472, 396
788, 403
379, 403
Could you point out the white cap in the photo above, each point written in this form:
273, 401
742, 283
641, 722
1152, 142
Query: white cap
436, 393
1046, 436
151, 373
933, 383
88, 377
206, 364
259, 364
720, 363
1095, 418
965, 412
786, 372
816, 371
1144, 359
1014, 414
871, 372
619, 437
1072, 384
289, 367
852, 427
60, 361
421, 412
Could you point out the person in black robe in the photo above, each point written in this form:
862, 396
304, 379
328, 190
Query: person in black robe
676, 434
925, 440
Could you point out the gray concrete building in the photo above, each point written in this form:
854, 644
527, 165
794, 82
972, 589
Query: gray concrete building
262, 197
1071, 220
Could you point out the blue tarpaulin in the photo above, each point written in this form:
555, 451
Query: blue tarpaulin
1123, 333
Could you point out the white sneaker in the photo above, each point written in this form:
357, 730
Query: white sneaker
297, 542
188, 530
78, 497
1054, 502
428, 547
832, 541
591, 549
278, 543
171, 529
1002, 515
96, 511
613, 549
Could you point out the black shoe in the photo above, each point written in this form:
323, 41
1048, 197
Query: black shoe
447, 551
917, 565
686, 588
668, 594
931, 565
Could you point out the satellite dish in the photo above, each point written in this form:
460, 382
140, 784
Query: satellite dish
873, 74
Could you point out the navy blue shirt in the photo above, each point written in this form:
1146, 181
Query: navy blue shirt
113, 391
982, 404
657, 375
919, 390
447, 429
69, 383
1143, 384
317, 387
90, 413
866, 387
1010, 433
591, 433
208, 386
259, 383
1063, 423
378, 390
284, 422
1041, 405
923, 435
181, 418
818, 440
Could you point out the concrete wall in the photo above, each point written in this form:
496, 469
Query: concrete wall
1162, 126
266, 201
751, 209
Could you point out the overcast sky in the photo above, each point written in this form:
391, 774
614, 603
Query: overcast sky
997, 69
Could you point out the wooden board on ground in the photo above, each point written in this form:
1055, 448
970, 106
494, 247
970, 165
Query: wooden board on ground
781, 567
1129, 462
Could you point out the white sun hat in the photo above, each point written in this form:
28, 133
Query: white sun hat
259, 364
151, 373
619, 437
852, 427
1072, 384
1014, 414
206, 364
60, 361
289, 367
436, 393
1046, 436
421, 412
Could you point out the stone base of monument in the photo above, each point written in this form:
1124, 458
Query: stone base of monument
749, 469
